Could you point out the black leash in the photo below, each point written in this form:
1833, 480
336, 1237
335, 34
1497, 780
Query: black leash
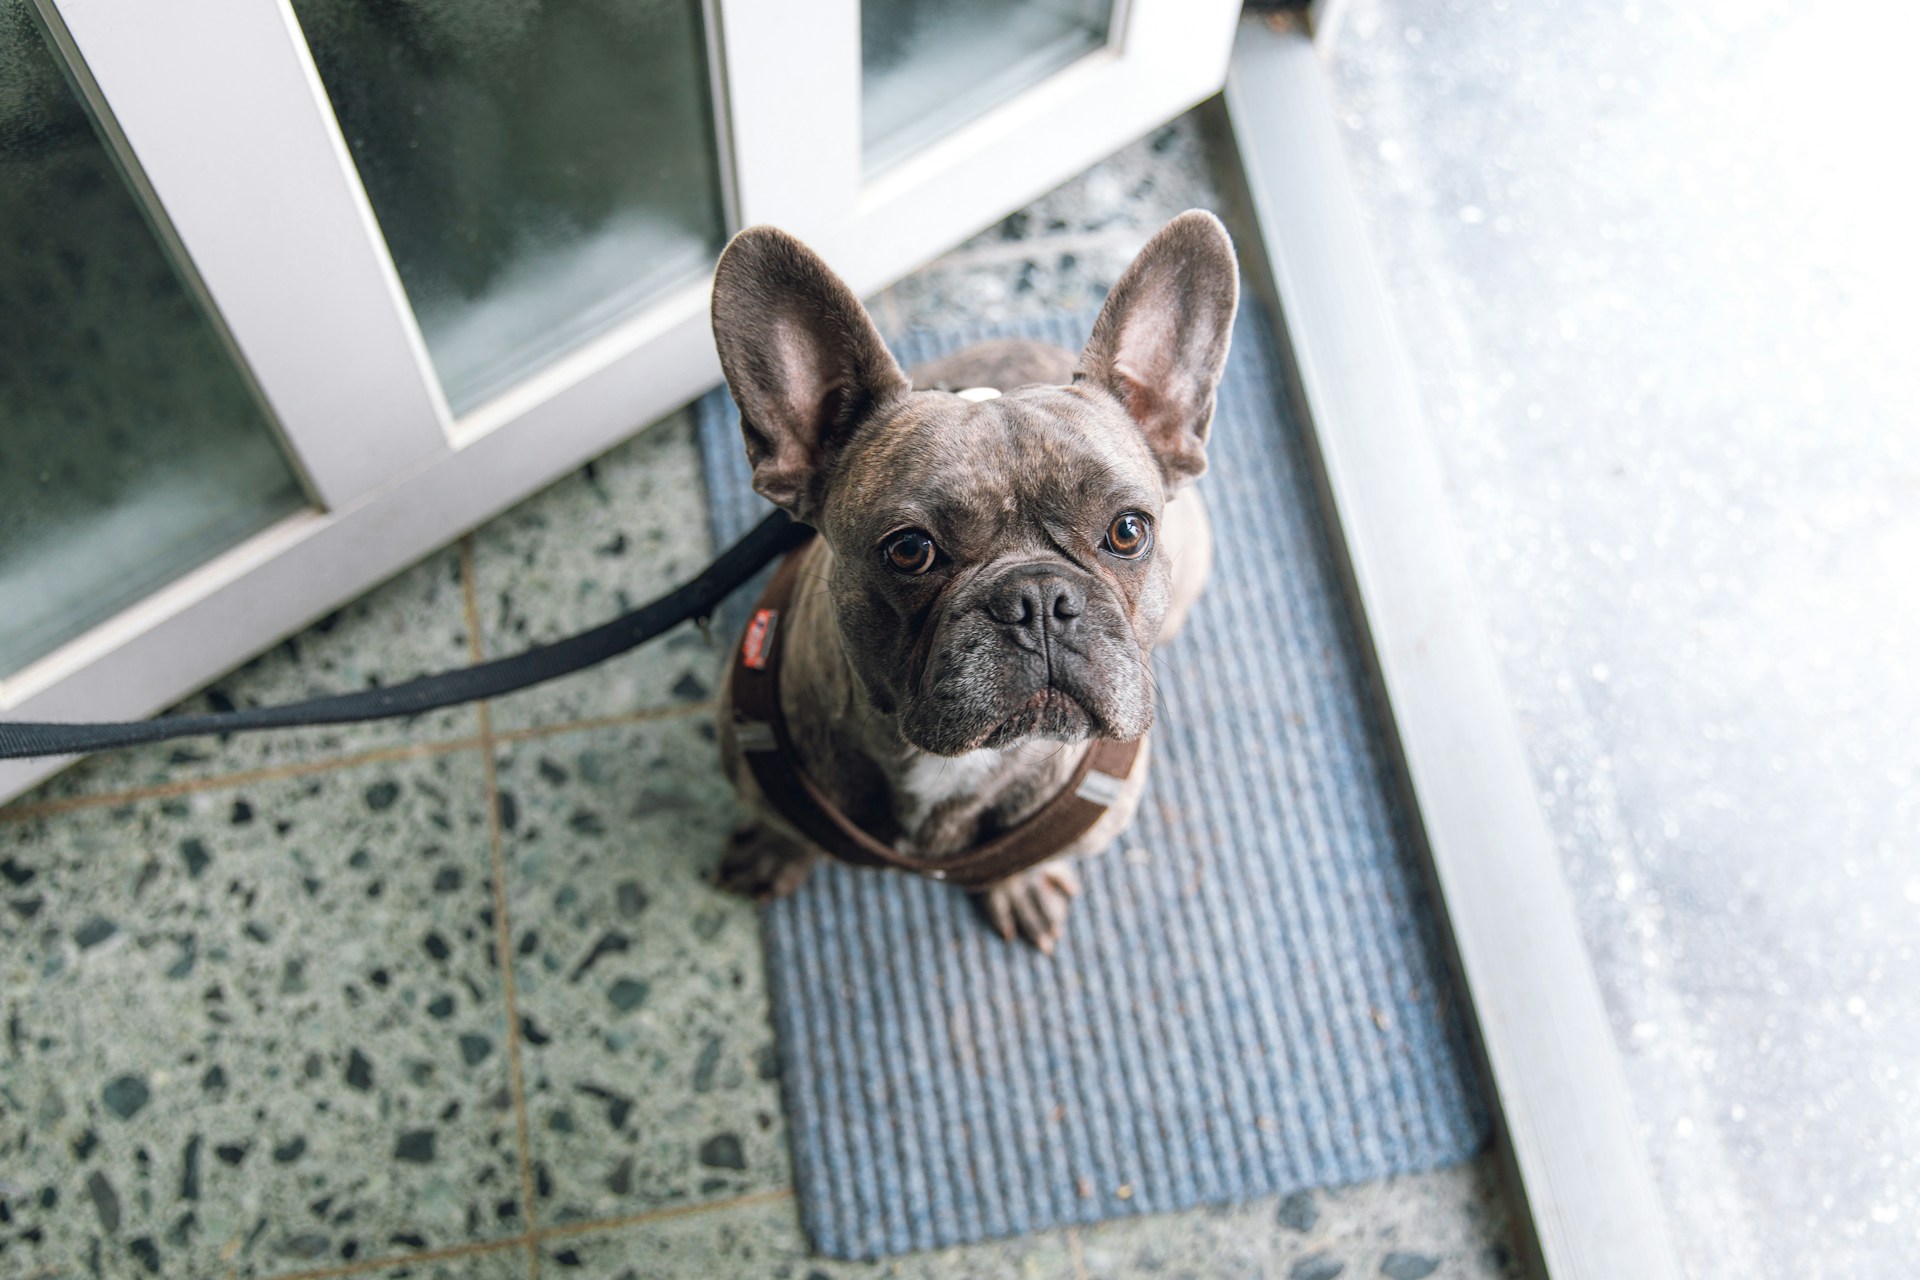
769, 539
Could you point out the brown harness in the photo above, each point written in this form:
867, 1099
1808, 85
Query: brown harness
761, 730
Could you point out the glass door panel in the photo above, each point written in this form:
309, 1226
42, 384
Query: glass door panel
930, 65
131, 447
539, 170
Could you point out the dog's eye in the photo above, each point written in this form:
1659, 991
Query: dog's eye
909, 551
1129, 535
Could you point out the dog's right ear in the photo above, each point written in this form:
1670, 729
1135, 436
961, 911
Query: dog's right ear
805, 364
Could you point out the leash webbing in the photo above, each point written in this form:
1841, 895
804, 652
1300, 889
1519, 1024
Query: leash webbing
772, 537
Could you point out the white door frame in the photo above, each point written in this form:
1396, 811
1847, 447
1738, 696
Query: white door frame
216, 112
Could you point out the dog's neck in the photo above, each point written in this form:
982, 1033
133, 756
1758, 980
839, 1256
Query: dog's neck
922, 803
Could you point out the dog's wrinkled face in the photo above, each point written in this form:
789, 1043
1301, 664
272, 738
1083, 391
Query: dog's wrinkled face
996, 574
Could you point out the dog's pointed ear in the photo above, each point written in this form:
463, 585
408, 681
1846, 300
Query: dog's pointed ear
1161, 340
804, 362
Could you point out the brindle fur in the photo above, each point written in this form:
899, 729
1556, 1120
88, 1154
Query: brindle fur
937, 711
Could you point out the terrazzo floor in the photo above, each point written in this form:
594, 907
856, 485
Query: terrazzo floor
455, 997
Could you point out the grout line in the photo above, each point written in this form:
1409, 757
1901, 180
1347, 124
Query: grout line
503, 941
532, 1240
364, 1265
245, 777
470, 602
1078, 1254
502, 925
306, 768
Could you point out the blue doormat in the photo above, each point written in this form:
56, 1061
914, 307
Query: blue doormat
1250, 999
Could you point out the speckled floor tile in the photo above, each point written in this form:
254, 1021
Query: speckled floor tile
599, 542
414, 624
764, 1240
647, 1051
1065, 250
1034, 279
1449, 1225
1140, 186
256, 1028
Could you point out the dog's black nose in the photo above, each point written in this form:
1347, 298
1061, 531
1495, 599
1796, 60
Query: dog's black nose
1036, 599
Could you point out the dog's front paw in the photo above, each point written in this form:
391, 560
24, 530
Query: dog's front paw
1033, 904
763, 864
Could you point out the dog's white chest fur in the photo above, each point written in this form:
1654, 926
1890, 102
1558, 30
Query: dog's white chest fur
930, 781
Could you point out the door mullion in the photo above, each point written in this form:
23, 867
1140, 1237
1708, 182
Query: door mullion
218, 115
792, 96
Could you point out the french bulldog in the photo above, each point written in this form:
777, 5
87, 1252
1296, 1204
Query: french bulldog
992, 572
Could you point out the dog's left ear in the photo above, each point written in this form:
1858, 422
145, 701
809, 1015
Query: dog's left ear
1161, 340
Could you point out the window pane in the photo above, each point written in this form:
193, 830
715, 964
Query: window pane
131, 449
930, 65
539, 169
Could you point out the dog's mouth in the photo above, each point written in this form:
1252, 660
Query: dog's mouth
983, 692
1046, 713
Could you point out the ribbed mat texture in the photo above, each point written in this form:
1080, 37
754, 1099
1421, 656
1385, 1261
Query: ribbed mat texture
1250, 998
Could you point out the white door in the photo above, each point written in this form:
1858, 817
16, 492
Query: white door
294, 291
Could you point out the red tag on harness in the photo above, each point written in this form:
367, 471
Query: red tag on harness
757, 645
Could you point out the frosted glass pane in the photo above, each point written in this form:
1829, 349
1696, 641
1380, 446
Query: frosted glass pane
930, 65
540, 168
130, 448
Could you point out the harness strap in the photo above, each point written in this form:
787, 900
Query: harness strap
761, 729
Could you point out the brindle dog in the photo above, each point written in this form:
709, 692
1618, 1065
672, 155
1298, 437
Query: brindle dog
993, 572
